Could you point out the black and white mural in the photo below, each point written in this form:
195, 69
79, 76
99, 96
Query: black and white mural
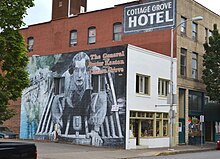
78, 97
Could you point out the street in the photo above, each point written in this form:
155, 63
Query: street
51, 150
199, 155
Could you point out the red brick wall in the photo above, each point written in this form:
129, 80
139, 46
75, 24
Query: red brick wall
14, 123
53, 37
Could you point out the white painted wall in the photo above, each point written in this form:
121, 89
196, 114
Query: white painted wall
156, 66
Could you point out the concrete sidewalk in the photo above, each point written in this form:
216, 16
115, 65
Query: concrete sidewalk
166, 151
188, 149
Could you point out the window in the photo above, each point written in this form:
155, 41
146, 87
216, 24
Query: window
163, 87
194, 65
60, 3
92, 35
194, 31
183, 25
210, 33
147, 128
195, 101
183, 62
151, 124
82, 9
30, 43
142, 84
59, 85
73, 38
206, 34
117, 32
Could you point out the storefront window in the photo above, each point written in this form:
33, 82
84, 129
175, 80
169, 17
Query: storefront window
158, 128
146, 128
194, 130
150, 124
165, 128
131, 128
194, 126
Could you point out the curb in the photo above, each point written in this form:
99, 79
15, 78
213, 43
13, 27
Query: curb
173, 152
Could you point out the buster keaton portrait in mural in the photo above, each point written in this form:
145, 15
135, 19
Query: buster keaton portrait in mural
84, 110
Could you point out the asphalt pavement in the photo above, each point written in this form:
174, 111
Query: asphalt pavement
51, 150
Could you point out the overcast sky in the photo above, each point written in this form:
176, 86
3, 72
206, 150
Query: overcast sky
41, 12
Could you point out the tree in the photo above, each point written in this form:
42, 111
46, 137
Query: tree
13, 54
211, 63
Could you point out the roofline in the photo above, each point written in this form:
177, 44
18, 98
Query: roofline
205, 7
88, 12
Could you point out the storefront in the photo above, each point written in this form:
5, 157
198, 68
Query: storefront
148, 128
196, 108
212, 122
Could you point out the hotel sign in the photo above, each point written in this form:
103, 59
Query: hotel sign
150, 16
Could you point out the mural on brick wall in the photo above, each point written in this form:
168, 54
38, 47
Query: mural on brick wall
77, 97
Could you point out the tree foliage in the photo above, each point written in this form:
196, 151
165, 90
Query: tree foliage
13, 54
211, 63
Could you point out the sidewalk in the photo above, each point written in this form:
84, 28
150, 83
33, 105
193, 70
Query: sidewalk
131, 154
188, 149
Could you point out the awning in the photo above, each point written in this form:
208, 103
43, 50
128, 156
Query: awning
212, 112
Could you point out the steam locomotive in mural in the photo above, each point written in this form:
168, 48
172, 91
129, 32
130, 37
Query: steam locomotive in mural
78, 97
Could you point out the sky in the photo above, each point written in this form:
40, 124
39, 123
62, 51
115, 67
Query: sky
41, 12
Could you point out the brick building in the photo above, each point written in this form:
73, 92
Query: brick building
72, 30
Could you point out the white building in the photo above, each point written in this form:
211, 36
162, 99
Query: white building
147, 109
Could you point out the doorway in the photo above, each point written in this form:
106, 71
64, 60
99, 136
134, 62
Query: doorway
136, 131
208, 131
181, 131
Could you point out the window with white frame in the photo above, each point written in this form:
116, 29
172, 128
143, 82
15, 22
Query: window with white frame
194, 31
117, 31
194, 65
73, 38
59, 85
163, 87
152, 124
183, 25
30, 44
142, 84
183, 62
92, 35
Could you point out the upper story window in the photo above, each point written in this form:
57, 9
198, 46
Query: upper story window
60, 3
183, 25
73, 38
142, 84
195, 101
92, 35
163, 87
194, 65
30, 44
194, 31
210, 33
59, 85
183, 62
117, 31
